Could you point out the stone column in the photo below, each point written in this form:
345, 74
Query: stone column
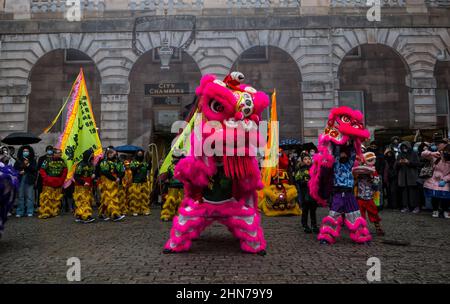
423, 103
318, 99
113, 125
13, 108
20, 8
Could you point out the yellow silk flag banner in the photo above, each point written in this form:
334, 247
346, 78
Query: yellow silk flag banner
271, 152
182, 142
80, 132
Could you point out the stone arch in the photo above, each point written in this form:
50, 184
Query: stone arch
50, 81
143, 109
380, 73
417, 49
279, 71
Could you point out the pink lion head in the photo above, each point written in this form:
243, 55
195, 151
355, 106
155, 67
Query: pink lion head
344, 124
222, 101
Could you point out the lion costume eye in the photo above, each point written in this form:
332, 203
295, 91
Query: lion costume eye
345, 119
216, 106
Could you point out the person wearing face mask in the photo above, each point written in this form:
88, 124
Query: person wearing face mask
437, 186
390, 179
110, 181
83, 194
407, 166
48, 155
139, 190
393, 146
53, 172
26, 166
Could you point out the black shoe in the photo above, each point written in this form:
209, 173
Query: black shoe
324, 242
167, 251
307, 229
118, 218
315, 229
261, 252
89, 220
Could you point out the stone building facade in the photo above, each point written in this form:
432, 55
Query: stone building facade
316, 53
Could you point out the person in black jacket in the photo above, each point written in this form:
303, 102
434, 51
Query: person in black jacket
26, 166
407, 166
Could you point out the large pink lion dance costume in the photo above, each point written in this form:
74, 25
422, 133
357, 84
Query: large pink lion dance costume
221, 186
331, 175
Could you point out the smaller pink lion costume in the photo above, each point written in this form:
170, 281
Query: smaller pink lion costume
221, 186
332, 178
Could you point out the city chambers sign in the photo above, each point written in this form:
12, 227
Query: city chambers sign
166, 89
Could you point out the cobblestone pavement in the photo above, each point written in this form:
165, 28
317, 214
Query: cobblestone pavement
36, 251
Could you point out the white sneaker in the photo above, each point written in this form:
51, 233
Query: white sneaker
135, 214
446, 215
435, 214
18, 215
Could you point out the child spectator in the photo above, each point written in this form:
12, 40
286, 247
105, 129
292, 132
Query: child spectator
308, 204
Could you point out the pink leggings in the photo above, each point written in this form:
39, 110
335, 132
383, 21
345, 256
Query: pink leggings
242, 221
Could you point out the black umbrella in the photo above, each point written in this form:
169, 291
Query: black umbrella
308, 147
21, 138
290, 143
128, 149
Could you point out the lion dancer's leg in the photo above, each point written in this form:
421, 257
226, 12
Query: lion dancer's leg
50, 202
133, 198
102, 206
123, 201
83, 203
354, 221
245, 224
171, 204
44, 203
144, 203
188, 225
110, 192
332, 223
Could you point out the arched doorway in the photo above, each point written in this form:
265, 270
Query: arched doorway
372, 78
160, 97
51, 80
266, 68
442, 75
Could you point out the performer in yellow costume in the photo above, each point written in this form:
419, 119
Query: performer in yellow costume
83, 194
53, 172
139, 191
124, 172
110, 180
280, 198
175, 189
